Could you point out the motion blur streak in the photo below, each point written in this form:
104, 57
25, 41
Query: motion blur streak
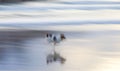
92, 30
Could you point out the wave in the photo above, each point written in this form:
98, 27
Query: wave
88, 2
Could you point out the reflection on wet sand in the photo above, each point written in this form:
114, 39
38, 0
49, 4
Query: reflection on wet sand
54, 58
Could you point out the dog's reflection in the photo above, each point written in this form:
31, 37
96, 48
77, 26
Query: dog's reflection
55, 57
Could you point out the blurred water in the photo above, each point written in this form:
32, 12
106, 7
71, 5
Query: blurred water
91, 27
60, 13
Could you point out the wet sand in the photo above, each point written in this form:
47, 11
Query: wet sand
83, 50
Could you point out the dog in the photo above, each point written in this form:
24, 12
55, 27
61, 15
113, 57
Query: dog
53, 38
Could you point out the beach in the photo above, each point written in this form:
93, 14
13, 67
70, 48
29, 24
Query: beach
91, 28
